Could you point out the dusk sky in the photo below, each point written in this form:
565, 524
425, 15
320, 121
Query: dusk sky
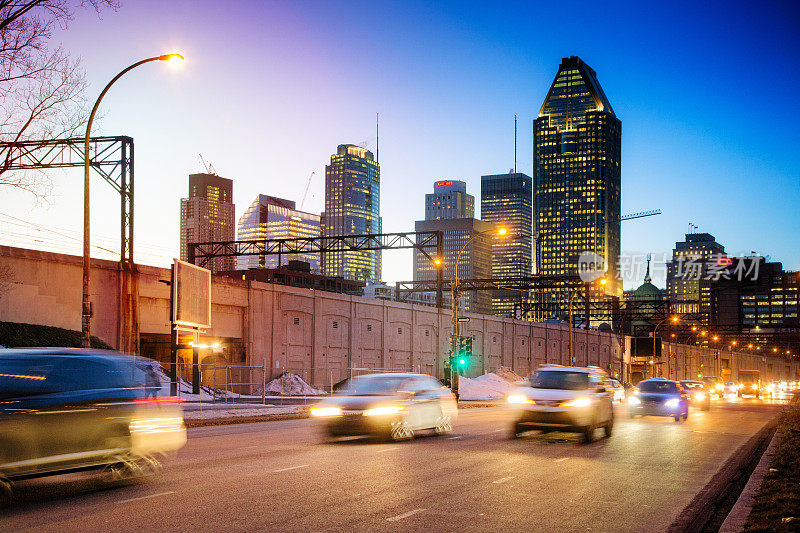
707, 96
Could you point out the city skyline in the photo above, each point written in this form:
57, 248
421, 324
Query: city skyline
465, 137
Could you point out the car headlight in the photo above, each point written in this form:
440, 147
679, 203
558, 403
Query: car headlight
672, 403
700, 396
385, 410
634, 400
520, 399
578, 402
326, 411
720, 387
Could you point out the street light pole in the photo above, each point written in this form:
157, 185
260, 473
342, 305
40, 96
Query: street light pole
86, 305
673, 319
455, 292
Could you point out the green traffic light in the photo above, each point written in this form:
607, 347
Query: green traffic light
462, 361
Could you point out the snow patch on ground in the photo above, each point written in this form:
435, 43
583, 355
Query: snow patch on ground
288, 384
491, 386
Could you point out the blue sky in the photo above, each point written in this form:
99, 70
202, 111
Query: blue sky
707, 95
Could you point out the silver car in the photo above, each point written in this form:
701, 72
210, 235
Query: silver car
391, 406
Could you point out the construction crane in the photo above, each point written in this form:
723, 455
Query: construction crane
305, 194
208, 166
641, 214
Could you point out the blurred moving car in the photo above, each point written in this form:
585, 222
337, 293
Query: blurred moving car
618, 390
715, 385
65, 410
697, 393
659, 397
750, 383
392, 406
731, 388
564, 398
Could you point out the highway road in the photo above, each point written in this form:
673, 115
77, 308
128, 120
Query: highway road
281, 476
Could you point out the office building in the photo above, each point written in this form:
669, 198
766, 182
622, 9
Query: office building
475, 261
755, 297
449, 200
208, 215
352, 207
577, 178
269, 217
507, 202
694, 261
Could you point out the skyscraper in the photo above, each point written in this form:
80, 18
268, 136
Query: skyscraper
352, 207
269, 217
577, 177
208, 215
507, 201
475, 261
688, 282
449, 200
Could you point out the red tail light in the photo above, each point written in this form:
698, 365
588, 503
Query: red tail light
168, 399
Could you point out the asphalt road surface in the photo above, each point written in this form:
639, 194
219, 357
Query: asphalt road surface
281, 476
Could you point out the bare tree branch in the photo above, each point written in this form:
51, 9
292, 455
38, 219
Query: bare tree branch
41, 88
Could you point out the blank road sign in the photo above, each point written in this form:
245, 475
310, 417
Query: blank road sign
191, 296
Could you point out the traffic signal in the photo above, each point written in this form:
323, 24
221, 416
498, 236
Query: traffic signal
467, 346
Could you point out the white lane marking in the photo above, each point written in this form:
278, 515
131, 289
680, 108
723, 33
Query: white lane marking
148, 496
503, 479
290, 468
562, 459
498, 430
456, 437
405, 515
387, 449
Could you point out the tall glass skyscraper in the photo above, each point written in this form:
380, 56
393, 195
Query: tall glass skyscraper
208, 215
269, 217
507, 201
352, 207
577, 178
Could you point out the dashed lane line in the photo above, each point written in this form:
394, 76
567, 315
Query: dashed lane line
388, 449
289, 468
405, 515
146, 497
503, 480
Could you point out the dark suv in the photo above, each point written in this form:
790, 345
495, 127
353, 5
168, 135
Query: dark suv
64, 410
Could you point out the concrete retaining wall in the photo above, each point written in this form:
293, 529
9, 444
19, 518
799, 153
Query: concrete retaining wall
319, 335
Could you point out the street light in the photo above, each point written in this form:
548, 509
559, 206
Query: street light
674, 320
602, 281
455, 295
86, 307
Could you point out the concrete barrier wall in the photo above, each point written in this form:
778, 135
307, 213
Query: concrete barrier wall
318, 335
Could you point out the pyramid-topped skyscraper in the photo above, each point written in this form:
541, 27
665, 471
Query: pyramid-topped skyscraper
577, 180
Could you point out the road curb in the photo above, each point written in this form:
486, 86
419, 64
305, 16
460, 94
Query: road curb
225, 421
741, 509
705, 507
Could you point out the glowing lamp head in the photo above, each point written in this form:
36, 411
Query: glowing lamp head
502, 231
172, 58
437, 261
674, 318
603, 281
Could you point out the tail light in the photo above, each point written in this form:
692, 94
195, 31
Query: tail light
158, 401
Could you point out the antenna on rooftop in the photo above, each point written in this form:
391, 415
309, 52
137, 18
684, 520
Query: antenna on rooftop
515, 143
377, 139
